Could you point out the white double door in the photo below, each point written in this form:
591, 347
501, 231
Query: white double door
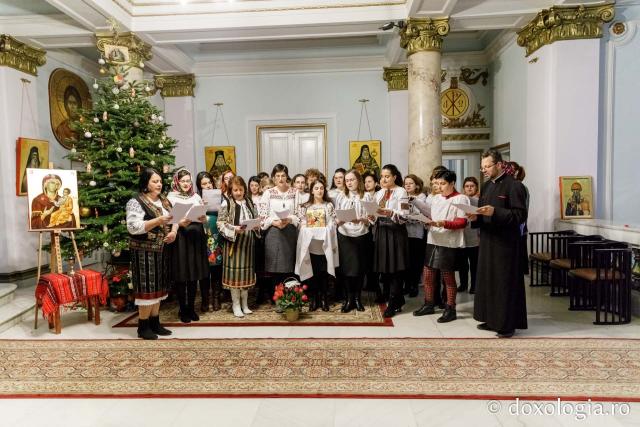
297, 148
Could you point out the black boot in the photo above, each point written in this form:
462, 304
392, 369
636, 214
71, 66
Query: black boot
144, 330
204, 295
215, 300
357, 294
390, 310
349, 300
413, 291
154, 322
181, 290
427, 308
448, 315
191, 299
325, 301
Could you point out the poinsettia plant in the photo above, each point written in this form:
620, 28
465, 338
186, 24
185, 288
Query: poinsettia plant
290, 295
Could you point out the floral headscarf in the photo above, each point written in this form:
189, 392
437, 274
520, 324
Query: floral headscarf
175, 184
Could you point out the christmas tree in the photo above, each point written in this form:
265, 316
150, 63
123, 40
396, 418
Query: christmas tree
122, 134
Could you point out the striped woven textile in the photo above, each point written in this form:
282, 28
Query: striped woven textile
55, 289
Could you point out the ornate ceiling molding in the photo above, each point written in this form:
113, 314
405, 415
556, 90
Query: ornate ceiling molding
564, 23
139, 51
423, 34
21, 56
175, 85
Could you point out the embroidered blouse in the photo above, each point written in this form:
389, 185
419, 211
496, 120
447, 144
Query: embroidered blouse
392, 201
135, 215
315, 216
273, 200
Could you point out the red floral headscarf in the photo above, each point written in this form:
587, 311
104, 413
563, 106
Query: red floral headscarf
175, 184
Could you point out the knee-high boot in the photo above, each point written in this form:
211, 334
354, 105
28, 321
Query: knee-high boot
349, 303
192, 287
181, 291
235, 303
357, 293
323, 290
205, 284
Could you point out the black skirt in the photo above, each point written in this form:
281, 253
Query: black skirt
355, 254
441, 257
189, 255
280, 249
391, 247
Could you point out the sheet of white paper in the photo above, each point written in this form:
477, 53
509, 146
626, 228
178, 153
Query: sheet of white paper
212, 199
346, 215
179, 211
283, 214
466, 208
196, 212
420, 217
370, 207
251, 224
424, 208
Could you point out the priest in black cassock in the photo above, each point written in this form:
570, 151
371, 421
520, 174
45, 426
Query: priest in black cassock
500, 299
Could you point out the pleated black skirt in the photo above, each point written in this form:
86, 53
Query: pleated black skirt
355, 254
189, 255
391, 247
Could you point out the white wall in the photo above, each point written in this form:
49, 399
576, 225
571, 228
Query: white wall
18, 247
332, 98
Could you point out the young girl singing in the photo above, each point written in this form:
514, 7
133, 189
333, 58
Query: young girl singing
317, 254
238, 271
390, 257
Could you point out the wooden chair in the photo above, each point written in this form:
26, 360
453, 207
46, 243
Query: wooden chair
560, 263
613, 286
540, 256
582, 275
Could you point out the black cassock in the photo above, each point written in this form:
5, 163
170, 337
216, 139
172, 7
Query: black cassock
500, 299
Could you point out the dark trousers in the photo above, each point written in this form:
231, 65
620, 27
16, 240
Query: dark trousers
468, 262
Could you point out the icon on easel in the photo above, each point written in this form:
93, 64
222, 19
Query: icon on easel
53, 199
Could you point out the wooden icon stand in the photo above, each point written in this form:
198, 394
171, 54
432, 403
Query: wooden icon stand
55, 263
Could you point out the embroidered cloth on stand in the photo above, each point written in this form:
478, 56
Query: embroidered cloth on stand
55, 289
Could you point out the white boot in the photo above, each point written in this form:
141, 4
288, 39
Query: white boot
244, 297
235, 303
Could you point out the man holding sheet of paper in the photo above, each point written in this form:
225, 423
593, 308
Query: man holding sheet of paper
189, 263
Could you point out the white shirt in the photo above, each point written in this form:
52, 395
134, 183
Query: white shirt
415, 229
274, 200
398, 195
442, 210
353, 201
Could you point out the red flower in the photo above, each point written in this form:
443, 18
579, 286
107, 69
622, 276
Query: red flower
305, 287
275, 298
293, 298
305, 298
116, 279
299, 290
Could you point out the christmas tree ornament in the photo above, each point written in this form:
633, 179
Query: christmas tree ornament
152, 162
119, 149
116, 107
133, 92
115, 90
73, 150
141, 64
112, 200
87, 134
136, 124
160, 118
85, 212
125, 86
105, 244
103, 71
115, 252
105, 229
95, 84
92, 183
101, 61
89, 167
95, 211
154, 117
81, 119
160, 146
132, 152
118, 79
164, 137
165, 168
138, 168
108, 173
147, 88
96, 120
105, 116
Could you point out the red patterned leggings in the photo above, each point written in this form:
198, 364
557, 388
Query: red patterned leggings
449, 277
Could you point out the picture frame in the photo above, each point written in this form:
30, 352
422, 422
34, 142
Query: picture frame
30, 153
366, 156
576, 197
68, 93
116, 54
220, 158
53, 199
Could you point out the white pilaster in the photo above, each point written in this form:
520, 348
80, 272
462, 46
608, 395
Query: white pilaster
398, 130
179, 113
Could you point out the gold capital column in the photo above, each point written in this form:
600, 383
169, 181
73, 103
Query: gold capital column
20, 56
137, 52
175, 85
422, 38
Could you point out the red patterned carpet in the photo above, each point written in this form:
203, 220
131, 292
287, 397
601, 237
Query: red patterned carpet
470, 368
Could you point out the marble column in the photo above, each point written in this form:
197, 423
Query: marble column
137, 50
422, 38
177, 90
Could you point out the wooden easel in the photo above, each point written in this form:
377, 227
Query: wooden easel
55, 263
